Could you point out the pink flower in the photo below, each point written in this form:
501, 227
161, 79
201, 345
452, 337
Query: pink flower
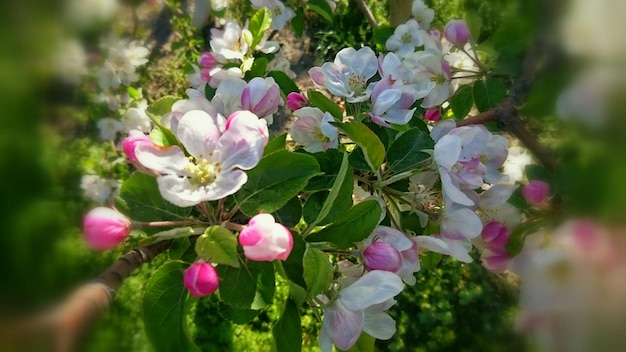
207, 60
432, 114
265, 240
296, 101
495, 260
129, 144
201, 279
262, 97
535, 192
495, 234
105, 228
382, 256
457, 32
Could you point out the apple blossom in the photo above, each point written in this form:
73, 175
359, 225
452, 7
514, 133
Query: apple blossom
135, 118
457, 32
398, 254
391, 101
213, 170
265, 240
228, 95
405, 38
493, 205
427, 71
296, 101
109, 128
313, 130
201, 279
381, 256
432, 114
281, 14
230, 43
458, 249
495, 234
206, 60
347, 76
105, 228
129, 144
422, 14
496, 260
535, 192
361, 307
261, 96
97, 188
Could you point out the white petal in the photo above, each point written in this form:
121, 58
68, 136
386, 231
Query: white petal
198, 132
379, 325
178, 191
447, 151
163, 160
442, 128
243, 142
372, 288
460, 223
451, 191
342, 326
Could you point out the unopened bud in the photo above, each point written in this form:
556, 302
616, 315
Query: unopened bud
432, 115
296, 101
105, 228
495, 234
382, 256
201, 279
457, 32
265, 240
535, 192
206, 60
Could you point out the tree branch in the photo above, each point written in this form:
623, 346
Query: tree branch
65, 323
368, 13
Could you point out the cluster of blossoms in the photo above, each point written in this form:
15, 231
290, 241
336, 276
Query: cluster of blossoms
202, 150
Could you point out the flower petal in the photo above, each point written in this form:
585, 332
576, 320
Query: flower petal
379, 325
163, 160
342, 325
372, 288
198, 132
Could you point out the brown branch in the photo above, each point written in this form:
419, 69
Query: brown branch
63, 326
368, 13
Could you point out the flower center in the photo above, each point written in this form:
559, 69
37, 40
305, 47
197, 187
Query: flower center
438, 79
357, 83
319, 135
406, 38
203, 172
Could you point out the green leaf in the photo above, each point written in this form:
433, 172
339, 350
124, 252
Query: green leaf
293, 265
462, 102
339, 199
353, 227
545, 91
382, 33
285, 83
276, 144
237, 315
373, 149
488, 93
407, 150
290, 214
218, 245
162, 136
259, 23
357, 159
297, 23
538, 172
179, 248
250, 286
277, 178
257, 69
322, 102
329, 162
318, 272
141, 200
164, 309
511, 39
474, 22
321, 7
365, 343
288, 331
162, 106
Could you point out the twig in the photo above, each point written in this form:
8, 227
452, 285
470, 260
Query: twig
368, 13
65, 323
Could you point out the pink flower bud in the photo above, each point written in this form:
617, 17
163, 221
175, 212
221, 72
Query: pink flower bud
261, 96
382, 256
206, 60
495, 234
296, 101
535, 192
435, 33
432, 115
265, 240
105, 228
457, 32
495, 261
129, 144
201, 279
205, 74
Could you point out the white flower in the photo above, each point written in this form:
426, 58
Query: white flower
69, 61
313, 130
281, 14
347, 76
361, 307
422, 13
230, 43
458, 249
97, 188
427, 71
227, 98
109, 128
135, 118
405, 38
213, 170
